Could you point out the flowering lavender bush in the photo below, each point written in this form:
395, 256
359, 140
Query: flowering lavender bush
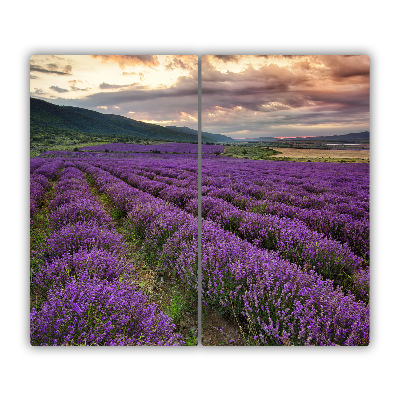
84, 210
81, 236
276, 300
185, 148
40, 181
100, 313
39, 186
81, 264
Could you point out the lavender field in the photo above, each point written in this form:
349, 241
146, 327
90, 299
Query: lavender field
286, 249
114, 239
105, 266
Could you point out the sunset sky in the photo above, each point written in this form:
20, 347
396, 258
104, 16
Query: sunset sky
242, 96
157, 89
284, 96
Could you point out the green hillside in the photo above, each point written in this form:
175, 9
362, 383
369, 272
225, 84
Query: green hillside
55, 125
205, 136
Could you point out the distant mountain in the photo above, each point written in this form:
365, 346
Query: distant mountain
347, 137
50, 122
205, 136
357, 136
259, 139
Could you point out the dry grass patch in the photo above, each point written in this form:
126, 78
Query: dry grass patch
320, 153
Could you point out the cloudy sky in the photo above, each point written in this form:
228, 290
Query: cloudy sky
157, 89
242, 96
285, 96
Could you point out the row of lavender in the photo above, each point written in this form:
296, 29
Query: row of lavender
291, 238
41, 175
182, 148
154, 223
330, 199
328, 211
101, 155
295, 242
85, 284
280, 302
175, 182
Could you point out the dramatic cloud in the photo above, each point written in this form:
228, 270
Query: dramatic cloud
129, 60
281, 95
52, 68
188, 63
184, 87
38, 92
73, 84
158, 89
76, 89
109, 86
37, 68
162, 105
58, 89
347, 66
227, 58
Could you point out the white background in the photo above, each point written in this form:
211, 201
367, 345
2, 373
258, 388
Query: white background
204, 27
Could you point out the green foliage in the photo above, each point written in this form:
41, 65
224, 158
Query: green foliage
117, 213
191, 339
177, 306
250, 152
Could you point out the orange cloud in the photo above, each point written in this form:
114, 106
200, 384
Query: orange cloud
186, 62
129, 60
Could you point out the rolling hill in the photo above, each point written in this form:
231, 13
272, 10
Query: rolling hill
206, 136
54, 124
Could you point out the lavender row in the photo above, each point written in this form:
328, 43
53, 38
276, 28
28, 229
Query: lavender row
183, 148
298, 184
332, 258
153, 220
341, 227
172, 172
291, 238
241, 279
86, 279
177, 195
38, 188
278, 302
49, 169
36, 163
42, 173
292, 203
265, 188
338, 226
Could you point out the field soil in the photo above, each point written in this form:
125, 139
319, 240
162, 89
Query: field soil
218, 331
320, 153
